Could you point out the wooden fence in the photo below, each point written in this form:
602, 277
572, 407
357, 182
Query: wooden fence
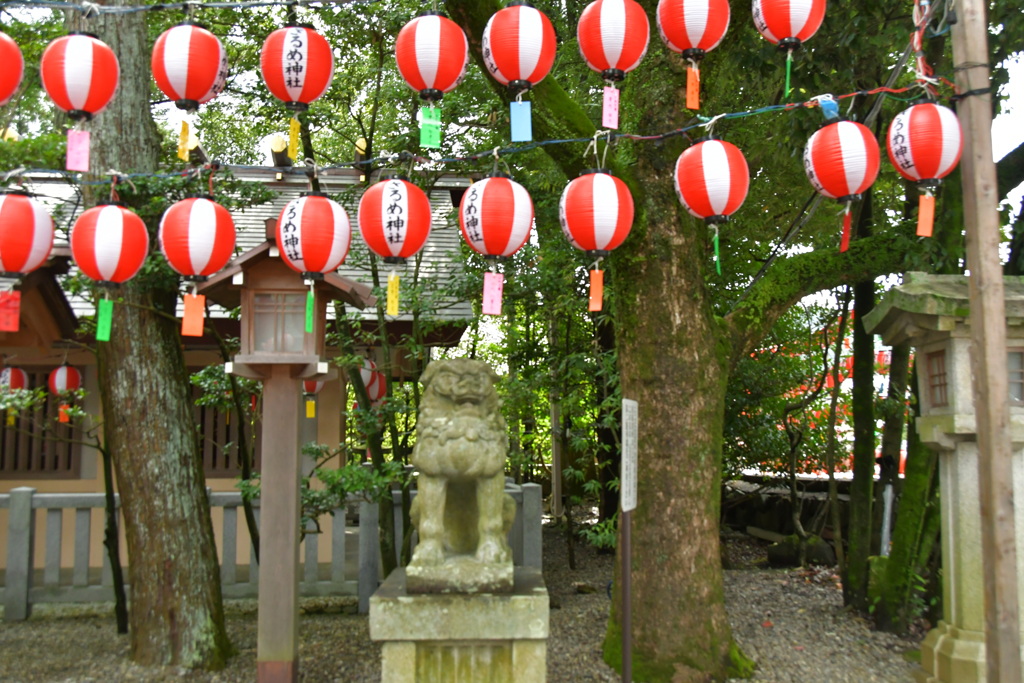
353, 568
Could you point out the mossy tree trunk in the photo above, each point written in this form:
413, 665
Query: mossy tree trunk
176, 616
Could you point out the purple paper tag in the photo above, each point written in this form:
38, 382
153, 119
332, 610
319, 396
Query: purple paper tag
494, 284
610, 111
522, 121
78, 150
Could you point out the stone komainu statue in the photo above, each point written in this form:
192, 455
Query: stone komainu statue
461, 511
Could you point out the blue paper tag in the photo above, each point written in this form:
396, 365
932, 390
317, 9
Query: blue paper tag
522, 122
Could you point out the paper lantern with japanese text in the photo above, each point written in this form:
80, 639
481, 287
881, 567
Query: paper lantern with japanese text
64, 379
394, 218
788, 23
519, 46
109, 243
432, 53
613, 37
14, 68
297, 65
26, 234
495, 216
841, 161
80, 73
190, 65
596, 212
197, 237
313, 234
13, 378
924, 145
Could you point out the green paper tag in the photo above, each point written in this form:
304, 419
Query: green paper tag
104, 317
430, 127
718, 261
310, 305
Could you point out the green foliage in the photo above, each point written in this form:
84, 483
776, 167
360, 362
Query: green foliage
603, 535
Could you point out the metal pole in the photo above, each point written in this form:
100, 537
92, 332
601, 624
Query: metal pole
627, 599
988, 332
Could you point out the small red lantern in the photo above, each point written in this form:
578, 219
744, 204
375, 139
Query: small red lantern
788, 23
197, 237
14, 68
712, 179
924, 144
432, 53
189, 65
297, 65
26, 234
80, 74
495, 216
841, 161
613, 37
596, 213
313, 234
693, 28
312, 387
519, 46
394, 218
109, 243
374, 381
13, 378
64, 379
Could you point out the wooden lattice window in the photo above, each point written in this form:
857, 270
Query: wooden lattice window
938, 381
1015, 370
34, 444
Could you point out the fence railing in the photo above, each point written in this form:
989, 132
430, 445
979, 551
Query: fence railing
350, 571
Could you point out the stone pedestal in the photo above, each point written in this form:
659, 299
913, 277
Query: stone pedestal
438, 638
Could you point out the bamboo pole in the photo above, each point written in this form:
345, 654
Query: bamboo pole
988, 331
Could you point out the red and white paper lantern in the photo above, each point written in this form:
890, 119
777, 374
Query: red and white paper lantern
80, 73
495, 216
394, 219
374, 381
312, 387
189, 65
841, 161
924, 145
711, 179
613, 37
26, 234
596, 212
519, 46
13, 378
313, 234
297, 65
432, 53
64, 379
197, 237
14, 68
788, 23
109, 243
693, 28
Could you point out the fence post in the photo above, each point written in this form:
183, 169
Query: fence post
532, 535
369, 552
20, 546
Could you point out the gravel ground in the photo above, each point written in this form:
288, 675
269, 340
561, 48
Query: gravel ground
791, 622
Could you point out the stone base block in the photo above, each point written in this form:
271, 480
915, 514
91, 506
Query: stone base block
448, 637
952, 655
460, 574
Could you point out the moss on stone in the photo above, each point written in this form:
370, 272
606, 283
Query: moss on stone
740, 665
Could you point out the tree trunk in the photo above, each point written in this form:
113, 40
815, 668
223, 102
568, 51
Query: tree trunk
176, 616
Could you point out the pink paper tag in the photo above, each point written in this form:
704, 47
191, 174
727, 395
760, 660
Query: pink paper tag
494, 284
78, 150
610, 112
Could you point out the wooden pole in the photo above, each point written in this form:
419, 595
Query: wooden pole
988, 331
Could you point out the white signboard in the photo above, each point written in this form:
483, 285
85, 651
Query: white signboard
627, 480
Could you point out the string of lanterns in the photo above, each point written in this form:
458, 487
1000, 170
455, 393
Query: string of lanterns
80, 74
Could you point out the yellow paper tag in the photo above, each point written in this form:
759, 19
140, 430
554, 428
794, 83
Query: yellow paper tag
596, 290
692, 88
310, 409
393, 294
293, 139
925, 215
183, 142
10, 418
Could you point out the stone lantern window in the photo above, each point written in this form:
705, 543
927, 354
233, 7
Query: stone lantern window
1015, 367
938, 380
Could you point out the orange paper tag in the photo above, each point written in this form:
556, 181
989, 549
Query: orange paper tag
62, 415
192, 320
925, 215
692, 88
310, 409
10, 311
596, 290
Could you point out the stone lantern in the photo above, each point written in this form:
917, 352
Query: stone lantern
932, 312
277, 349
